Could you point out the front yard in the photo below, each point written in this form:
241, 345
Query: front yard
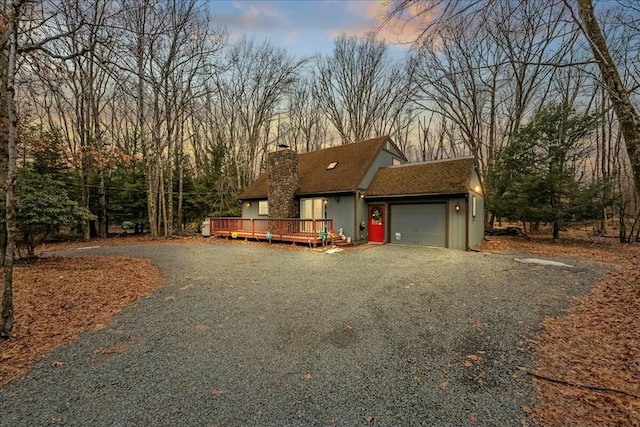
585, 373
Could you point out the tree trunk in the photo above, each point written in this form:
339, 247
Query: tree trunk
6, 324
102, 200
556, 230
625, 111
180, 165
84, 179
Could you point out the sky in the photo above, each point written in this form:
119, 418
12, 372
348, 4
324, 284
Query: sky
306, 27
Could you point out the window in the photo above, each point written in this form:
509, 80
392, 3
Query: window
332, 165
312, 209
396, 162
263, 207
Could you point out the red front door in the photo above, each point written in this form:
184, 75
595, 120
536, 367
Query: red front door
376, 223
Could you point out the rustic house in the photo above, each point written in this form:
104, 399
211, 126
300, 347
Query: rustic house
365, 191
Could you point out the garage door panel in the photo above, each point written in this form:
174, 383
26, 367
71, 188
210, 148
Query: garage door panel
419, 224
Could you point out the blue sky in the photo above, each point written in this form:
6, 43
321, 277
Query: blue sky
305, 27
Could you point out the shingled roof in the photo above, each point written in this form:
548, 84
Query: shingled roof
417, 179
353, 161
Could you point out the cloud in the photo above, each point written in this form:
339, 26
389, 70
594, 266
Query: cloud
259, 15
372, 16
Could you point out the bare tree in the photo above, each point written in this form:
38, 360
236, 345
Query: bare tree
75, 86
304, 126
361, 89
248, 97
627, 113
18, 36
167, 51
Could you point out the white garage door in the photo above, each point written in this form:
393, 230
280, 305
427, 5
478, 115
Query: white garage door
419, 224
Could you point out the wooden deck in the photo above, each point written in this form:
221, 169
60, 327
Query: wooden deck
309, 231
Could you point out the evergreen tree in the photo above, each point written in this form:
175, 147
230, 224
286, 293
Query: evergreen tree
537, 173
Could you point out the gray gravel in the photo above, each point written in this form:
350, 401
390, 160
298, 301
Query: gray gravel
253, 335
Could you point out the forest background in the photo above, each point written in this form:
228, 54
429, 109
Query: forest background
147, 112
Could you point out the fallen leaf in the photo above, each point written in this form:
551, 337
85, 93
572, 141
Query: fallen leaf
176, 410
57, 363
475, 358
445, 379
477, 324
468, 364
170, 298
54, 420
369, 419
473, 419
417, 377
348, 327
526, 409
202, 327
307, 377
217, 392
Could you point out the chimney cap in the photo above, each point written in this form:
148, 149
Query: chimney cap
283, 146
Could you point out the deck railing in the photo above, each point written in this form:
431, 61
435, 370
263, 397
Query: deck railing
284, 229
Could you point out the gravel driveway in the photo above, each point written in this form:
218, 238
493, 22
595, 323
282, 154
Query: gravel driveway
256, 335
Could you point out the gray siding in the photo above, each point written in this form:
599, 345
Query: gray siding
476, 224
251, 211
383, 159
362, 216
456, 226
342, 213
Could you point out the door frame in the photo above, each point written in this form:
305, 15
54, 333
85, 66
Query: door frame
383, 208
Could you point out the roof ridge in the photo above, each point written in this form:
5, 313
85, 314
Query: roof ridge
430, 162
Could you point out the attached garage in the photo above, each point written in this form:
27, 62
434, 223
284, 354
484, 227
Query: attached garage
436, 203
419, 224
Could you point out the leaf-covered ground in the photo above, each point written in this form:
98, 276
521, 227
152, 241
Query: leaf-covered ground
57, 299
588, 361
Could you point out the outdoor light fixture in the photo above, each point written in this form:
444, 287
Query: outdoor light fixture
361, 196
457, 207
248, 204
337, 199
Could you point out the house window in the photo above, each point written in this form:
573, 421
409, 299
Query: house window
332, 165
396, 162
263, 207
312, 209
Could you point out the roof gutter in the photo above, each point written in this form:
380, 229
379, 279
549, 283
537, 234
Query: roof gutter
402, 196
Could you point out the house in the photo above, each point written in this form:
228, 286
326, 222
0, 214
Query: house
369, 192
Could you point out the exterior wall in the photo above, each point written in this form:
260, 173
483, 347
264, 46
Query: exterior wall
342, 214
475, 183
282, 167
457, 226
476, 224
383, 159
362, 215
252, 210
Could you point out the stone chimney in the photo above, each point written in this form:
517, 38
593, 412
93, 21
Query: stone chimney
282, 173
